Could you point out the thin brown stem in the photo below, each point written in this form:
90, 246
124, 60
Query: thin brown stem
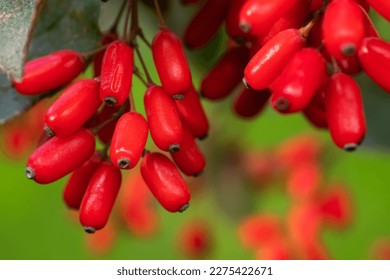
305, 30
88, 55
143, 38
113, 117
134, 22
118, 17
145, 69
161, 22
139, 76
132, 104
128, 12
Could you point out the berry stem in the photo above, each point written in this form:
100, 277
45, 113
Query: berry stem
118, 17
137, 73
88, 55
137, 51
114, 116
161, 22
305, 30
132, 104
129, 8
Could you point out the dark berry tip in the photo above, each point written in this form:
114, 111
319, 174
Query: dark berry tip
89, 229
124, 163
110, 101
30, 173
178, 97
174, 148
348, 49
350, 147
203, 137
245, 82
49, 132
245, 27
184, 207
282, 104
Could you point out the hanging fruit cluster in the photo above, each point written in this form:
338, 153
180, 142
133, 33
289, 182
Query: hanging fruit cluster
298, 55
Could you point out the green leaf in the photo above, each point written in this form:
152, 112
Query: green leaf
61, 25
16, 23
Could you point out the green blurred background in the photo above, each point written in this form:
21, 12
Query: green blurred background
35, 224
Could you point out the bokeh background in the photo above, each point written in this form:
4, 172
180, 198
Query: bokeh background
35, 223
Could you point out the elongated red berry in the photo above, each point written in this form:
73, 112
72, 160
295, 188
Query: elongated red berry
315, 5
189, 158
171, 63
270, 60
316, 115
50, 72
98, 59
60, 156
343, 28
344, 107
266, 18
73, 108
381, 6
165, 182
163, 119
192, 113
116, 73
78, 182
129, 140
297, 84
205, 23
221, 80
103, 188
232, 21
374, 57
249, 103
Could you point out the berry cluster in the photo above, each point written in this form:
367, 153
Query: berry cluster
300, 54
102, 107
298, 166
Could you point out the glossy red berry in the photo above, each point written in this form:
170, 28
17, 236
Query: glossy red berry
374, 57
163, 119
343, 28
116, 73
98, 59
270, 60
232, 22
382, 7
165, 182
50, 72
78, 182
192, 113
129, 140
189, 158
73, 108
100, 197
344, 107
315, 113
298, 82
205, 23
249, 103
171, 63
221, 80
60, 156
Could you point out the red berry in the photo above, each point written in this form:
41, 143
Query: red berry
192, 113
50, 72
226, 74
344, 107
315, 5
171, 63
189, 158
374, 57
129, 140
343, 28
270, 60
232, 21
73, 108
60, 156
116, 73
205, 23
136, 207
315, 112
257, 230
163, 118
78, 182
275, 250
98, 59
100, 197
165, 182
335, 206
382, 7
249, 103
195, 239
298, 82
303, 180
